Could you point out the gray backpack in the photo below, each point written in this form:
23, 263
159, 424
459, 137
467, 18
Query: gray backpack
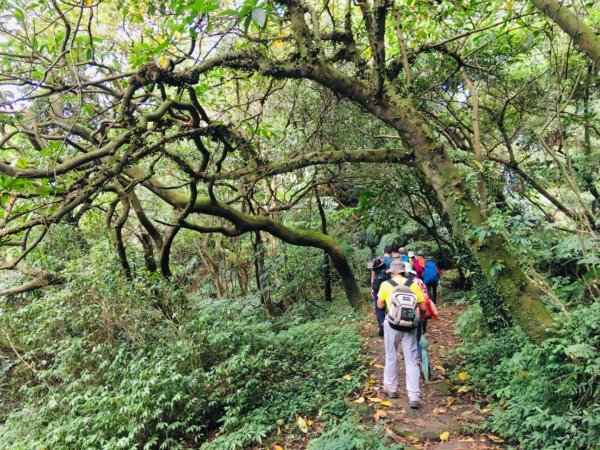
403, 314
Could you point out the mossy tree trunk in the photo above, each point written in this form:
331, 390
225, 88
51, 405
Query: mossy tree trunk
509, 288
583, 35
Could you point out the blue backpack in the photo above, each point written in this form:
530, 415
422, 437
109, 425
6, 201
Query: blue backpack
430, 273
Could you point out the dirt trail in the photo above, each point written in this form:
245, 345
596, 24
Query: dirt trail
441, 410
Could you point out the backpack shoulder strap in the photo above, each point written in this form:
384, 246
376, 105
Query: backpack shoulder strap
408, 282
392, 282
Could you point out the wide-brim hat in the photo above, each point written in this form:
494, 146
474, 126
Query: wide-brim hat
376, 264
397, 267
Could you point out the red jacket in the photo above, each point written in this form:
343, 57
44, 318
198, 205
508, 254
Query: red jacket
419, 266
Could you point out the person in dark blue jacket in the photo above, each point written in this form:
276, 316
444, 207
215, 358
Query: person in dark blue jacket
431, 278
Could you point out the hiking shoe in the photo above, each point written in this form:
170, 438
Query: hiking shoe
391, 394
414, 405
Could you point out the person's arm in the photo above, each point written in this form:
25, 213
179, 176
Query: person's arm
382, 296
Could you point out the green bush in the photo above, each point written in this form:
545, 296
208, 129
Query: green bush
546, 396
109, 366
349, 434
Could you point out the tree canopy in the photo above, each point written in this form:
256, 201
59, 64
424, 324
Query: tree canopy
170, 115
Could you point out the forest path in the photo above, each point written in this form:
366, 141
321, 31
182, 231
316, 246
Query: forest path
441, 410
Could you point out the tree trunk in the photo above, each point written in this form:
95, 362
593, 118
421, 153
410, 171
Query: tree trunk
521, 296
212, 266
583, 35
326, 265
508, 288
259, 262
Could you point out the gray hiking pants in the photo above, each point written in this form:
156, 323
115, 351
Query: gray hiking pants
392, 338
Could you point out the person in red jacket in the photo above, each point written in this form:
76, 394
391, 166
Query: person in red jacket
419, 265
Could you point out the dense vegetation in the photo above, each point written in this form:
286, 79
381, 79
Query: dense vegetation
190, 191
105, 368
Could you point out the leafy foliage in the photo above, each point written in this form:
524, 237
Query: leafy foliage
350, 435
106, 369
546, 396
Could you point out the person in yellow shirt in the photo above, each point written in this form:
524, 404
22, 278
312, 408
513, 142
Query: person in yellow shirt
392, 338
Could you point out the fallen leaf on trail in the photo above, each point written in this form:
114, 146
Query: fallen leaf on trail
375, 399
444, 436
439, 410
495, 438
277, 447
379, 366
359, 400
379, 414
450, 400
393, 435
413, 438
470, 439
440, 369
386, 403
302, 424
372, 381
485, 410
309, 423
464, 389
466, 413
463, 376
278, 431
347, 377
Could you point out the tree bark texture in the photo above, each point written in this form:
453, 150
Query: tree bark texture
583, 35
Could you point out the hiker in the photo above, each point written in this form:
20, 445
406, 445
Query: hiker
396, 252
387, 255
379, 274
431, 277
419, 264
411, 258
404, 303
403, 256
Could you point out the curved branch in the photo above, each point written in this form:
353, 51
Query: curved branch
74, 163
43, 279
248, 223
387, 155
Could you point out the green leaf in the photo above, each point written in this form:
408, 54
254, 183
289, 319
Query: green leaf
22, 163
259, 15
20, 15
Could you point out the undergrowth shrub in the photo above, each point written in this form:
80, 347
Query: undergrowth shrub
546, 396
103, 364
349, 434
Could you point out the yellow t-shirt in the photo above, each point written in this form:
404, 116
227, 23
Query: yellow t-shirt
386, 289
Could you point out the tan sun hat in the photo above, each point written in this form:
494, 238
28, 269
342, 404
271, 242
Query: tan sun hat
397, 267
